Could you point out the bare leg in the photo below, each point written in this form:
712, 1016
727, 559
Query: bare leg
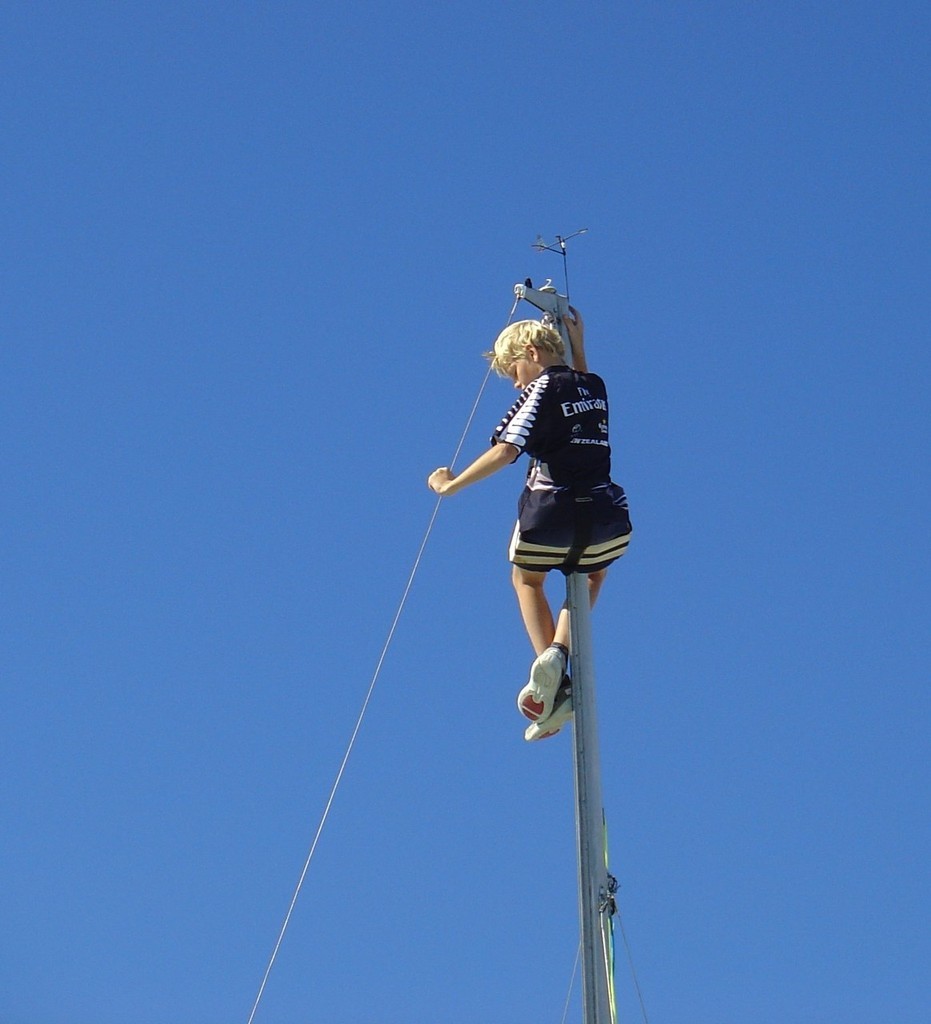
534, 607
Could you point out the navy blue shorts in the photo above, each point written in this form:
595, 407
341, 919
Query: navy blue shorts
572, 532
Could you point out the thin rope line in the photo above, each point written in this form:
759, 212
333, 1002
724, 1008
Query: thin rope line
633, 973
565, 270
342, 767
365, 704
575, 967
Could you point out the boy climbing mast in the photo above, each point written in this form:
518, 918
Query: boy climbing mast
571, 517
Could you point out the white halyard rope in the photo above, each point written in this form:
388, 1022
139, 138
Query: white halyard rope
365, 704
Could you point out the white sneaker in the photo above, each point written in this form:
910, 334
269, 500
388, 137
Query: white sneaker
535, 701
562, 713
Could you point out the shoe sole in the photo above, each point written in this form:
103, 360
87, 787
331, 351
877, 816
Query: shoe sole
562, 713
537, 702
530, 708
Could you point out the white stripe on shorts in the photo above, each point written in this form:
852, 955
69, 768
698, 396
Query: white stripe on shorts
544, 556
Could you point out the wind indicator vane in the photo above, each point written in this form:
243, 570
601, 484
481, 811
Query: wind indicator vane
540, 245
559, 246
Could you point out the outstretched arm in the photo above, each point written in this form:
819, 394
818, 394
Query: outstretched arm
444, 482
576, 331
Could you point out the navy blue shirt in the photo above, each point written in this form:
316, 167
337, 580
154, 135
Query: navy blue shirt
561, 421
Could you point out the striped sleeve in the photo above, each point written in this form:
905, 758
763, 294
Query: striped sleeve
517, 426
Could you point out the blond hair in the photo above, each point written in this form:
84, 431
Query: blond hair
512, 342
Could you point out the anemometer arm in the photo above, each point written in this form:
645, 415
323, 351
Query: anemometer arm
546, 299
557, 312
565, 319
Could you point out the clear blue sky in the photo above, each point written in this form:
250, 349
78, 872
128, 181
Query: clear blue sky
251, 255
